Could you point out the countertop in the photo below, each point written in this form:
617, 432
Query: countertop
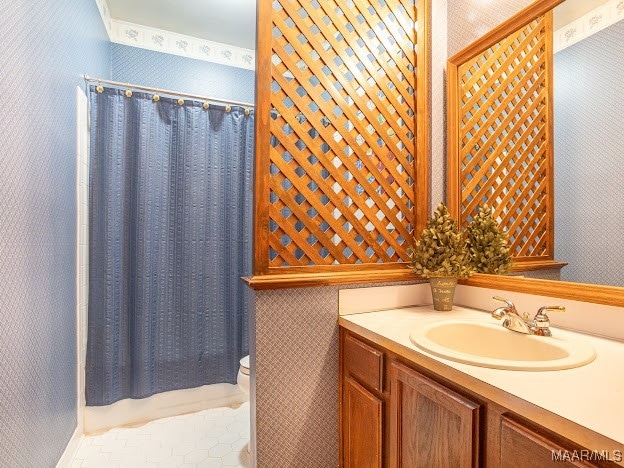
591, 396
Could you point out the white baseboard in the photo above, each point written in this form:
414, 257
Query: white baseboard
70, 450
136, 412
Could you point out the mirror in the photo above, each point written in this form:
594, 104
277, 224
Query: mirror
569, 132
588, 92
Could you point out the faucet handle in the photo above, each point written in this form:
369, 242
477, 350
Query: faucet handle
499, 313
542, 310
541, 322
510, 304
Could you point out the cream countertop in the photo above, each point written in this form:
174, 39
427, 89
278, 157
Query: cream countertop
591, 396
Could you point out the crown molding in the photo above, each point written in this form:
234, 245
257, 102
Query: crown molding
106, 17
145, 37
588, 24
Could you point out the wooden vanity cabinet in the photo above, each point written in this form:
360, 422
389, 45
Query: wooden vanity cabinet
363, 426
521, 445
429, 424
362, 404
393, 413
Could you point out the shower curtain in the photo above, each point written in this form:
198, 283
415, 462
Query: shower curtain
170, 214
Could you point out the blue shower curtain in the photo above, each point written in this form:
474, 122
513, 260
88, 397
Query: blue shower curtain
170, 214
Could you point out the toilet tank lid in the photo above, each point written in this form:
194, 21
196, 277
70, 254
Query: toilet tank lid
245, 362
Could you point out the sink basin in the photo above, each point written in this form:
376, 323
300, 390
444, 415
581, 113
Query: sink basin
491, 345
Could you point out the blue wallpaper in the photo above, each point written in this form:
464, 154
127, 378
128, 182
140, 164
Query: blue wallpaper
589, 149
46, 47
166, 71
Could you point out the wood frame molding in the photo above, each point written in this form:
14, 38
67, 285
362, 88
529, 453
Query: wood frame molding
423, 118
517, 21
264, 10
598, 294
593, 293
267, 277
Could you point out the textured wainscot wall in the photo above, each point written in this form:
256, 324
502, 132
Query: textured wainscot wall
296, 377
46, 48
296, 332
294, 360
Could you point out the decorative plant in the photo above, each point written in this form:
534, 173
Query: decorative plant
488, 249
441, 250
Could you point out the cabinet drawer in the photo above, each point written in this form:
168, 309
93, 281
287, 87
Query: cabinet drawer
364, 363
525, 446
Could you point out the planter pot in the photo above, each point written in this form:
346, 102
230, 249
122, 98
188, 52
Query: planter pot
443, 290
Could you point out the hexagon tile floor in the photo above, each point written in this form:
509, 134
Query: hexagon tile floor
211, 438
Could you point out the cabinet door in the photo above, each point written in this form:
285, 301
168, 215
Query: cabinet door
522, 446
430, 425
362, 427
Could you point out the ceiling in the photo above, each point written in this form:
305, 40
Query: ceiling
571, 10
230, 22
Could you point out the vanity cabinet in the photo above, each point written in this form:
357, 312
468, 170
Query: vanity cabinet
362, 404
430, 425
522, 446
362, 409
395, 413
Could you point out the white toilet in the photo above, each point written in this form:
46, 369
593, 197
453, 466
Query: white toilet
243, 375
243, 380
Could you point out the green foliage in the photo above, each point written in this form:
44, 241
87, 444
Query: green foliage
441, 250
488, 249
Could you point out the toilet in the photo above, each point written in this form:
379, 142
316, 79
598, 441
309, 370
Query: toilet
243, 375
243, 381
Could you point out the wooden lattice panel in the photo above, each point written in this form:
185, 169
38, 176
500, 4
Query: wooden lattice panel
342, 132
505, 138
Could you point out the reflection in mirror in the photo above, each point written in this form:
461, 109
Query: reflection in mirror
536, 111
589, 140
503, 147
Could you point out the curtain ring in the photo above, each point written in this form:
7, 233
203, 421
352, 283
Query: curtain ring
128, 93
181, 102
99, 88
228, 108
206, 105
247, 112
156, 98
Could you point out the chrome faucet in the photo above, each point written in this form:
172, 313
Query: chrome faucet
512, 319
540, 325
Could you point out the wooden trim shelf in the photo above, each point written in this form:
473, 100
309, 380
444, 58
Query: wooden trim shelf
305, 280
532, 265
336, 268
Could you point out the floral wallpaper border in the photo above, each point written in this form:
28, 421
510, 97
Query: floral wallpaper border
594, 21
136, 35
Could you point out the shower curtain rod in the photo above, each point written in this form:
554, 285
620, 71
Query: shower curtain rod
166, 91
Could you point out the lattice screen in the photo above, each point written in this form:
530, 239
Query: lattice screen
504, 137
342, 129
